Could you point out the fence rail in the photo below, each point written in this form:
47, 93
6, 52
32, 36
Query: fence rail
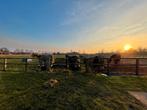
136, 66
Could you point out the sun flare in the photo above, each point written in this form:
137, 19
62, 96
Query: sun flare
127, 47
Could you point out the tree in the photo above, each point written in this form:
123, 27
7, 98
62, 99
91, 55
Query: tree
4, 50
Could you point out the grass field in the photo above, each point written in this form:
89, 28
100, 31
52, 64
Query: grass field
76, 91
15, 63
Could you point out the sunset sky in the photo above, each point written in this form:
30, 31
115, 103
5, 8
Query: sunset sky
78, 25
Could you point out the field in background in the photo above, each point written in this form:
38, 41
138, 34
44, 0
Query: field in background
15, 56
25, 91
16, 63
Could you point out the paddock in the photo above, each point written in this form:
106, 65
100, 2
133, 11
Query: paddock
127, 66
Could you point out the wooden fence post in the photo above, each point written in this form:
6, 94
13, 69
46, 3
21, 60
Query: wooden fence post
26, 65
108, 67
5, 64
137, 66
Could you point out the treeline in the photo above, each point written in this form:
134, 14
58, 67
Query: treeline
140, 52
6, 51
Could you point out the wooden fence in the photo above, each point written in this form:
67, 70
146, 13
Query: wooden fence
136, 66
18, 64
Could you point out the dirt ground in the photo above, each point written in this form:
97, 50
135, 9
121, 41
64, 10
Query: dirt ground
141, 96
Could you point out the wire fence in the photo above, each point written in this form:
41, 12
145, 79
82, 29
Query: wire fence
135, 66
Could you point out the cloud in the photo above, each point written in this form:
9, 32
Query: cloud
105, 22
85, 10
93, 25
82, 10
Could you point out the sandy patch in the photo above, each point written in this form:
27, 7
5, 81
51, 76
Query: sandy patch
141, 96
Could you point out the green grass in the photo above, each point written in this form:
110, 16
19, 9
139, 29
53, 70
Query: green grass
76, 91
16, 63
15, 56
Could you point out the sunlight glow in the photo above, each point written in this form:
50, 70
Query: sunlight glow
127, 47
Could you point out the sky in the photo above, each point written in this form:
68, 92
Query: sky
79, 25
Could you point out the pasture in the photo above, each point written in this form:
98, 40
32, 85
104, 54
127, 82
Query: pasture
76, 91
24, 90
127, 66
16, 63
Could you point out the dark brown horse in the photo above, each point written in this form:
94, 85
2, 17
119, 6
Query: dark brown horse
115, 59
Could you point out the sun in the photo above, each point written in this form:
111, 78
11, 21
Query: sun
127, 47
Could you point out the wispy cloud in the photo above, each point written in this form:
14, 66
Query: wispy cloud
102, 22
82, 10
86, 25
